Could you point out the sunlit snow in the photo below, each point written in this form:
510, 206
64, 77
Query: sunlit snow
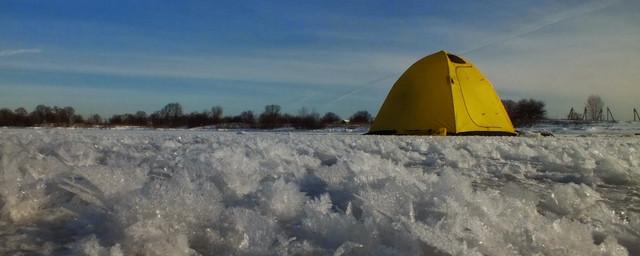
181, 192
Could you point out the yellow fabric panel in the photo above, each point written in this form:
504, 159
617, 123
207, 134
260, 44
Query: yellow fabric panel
462, 118
479, 99
478, 107
420, 101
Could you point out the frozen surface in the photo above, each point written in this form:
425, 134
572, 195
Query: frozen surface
119, 192
568, 128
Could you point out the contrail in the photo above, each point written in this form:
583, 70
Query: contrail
552, 20
523, 31
360, 88
7, 53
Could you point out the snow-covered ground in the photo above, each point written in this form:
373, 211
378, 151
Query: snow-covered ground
179, 192
568, 128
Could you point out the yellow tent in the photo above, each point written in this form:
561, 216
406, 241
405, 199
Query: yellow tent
442, 94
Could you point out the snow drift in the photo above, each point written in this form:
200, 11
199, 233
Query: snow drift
105, 192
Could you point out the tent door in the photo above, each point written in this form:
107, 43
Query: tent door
479, 97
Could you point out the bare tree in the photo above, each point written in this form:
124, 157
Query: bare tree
216, 114
22, 117
361, 117
306, 119
511, 107
248, 118
271, 117
330, 118
66, 115
171, 115
529, 112
41, 115
7, 117
525, 112
196, 119
77, 119
593, 108
94, 119
272, 109
141, 118
171, 111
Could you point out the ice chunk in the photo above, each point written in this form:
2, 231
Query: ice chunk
284, 200
613, 171
571, 199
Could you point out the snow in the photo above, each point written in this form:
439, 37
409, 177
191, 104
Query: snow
191, 192
575, 128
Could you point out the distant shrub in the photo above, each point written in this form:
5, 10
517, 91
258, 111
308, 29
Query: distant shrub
525, 112
361, 117
330, 118
172, 116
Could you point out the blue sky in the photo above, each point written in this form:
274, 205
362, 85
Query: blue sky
111, 57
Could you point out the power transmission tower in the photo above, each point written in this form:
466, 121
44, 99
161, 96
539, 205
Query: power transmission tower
610, 114
571, 115
599, 118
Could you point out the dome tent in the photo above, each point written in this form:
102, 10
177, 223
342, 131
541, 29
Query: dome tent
442, 94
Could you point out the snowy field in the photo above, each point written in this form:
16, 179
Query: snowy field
144, 192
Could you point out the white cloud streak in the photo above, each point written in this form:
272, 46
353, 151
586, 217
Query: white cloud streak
13, 52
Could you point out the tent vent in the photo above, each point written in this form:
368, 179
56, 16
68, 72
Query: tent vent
456, 59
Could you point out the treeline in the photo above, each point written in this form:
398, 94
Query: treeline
172, 116
525, 112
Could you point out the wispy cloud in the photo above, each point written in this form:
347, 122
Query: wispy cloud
13, 52
300, 67
546, 22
